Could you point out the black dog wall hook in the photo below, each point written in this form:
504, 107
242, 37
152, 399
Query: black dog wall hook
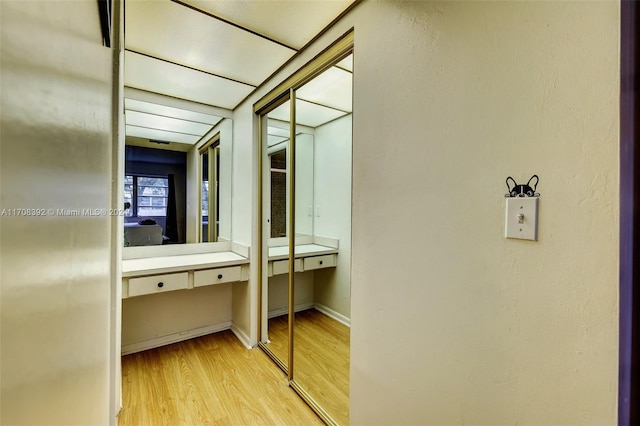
525, 190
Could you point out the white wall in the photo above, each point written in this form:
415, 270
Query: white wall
452, 323
278, 293
55, 153
244, 216
304, 183
332, 180
244, 177
175, 312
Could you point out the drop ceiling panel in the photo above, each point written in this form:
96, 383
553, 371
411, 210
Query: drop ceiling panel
293, 23
274, 140
160, 135
151, 121
280, 113
142, 72
278, 131
346, 63
174, 32
166, 111
331, 88
308, 114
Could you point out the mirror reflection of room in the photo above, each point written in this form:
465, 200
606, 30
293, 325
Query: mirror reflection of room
202, 282
177, 175
322, 222
155, 187
276, 188
278, 222
321, 336
209, 189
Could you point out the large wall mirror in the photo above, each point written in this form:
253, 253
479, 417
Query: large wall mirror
209, 225
177, 173
306, 232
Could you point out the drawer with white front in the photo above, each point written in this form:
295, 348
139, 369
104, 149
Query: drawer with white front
282, 266
217, 276
158, 284
318, 262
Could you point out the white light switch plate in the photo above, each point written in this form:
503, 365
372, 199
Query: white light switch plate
524, 227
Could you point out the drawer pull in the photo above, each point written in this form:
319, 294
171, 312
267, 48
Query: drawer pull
160, 284
321, 262
219, 276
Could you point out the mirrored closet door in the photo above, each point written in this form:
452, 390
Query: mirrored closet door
321, 327
306, 230
275, 189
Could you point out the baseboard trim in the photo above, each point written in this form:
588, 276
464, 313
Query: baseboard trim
174, 338
241, 335
283, 311
333, 314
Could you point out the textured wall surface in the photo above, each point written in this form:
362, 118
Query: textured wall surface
451, 322
55, 155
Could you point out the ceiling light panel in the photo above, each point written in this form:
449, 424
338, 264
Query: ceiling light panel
293, 23
331, 88
160, 135
177, 33
166, 111
142, 119
308, 114
142, 72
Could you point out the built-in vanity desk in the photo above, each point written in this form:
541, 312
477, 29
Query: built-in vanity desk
307, 257
172, 293
314, 257
181, 272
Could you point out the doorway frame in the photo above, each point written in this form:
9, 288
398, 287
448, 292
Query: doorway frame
629, 315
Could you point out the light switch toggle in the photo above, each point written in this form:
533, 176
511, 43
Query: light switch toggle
522, 218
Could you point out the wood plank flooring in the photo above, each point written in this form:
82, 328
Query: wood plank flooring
279, 337
321, 357
211, 380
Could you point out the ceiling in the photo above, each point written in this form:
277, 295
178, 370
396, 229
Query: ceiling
213, 54
325, 98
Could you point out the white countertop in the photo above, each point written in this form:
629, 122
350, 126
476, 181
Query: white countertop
187, 262
165, 264
304, 250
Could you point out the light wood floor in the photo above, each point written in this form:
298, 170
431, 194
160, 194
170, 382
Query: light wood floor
279, 337
321, 359
211, 380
